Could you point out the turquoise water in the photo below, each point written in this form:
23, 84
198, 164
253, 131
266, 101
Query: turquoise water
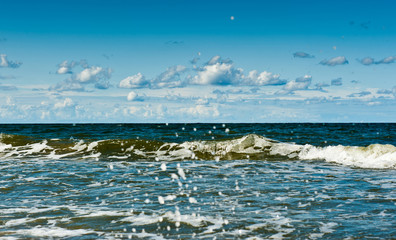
199, 181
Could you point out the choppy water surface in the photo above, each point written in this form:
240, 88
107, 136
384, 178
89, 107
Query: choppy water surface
201, 181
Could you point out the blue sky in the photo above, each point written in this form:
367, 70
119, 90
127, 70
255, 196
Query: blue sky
197, 61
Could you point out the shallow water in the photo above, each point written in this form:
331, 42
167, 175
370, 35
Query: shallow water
254, 181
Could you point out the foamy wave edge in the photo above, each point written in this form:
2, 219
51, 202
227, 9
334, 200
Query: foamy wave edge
375, 156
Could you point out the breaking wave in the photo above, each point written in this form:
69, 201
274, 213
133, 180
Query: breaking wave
377, 156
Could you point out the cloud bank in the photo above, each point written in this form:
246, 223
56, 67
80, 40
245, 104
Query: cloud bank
217, 71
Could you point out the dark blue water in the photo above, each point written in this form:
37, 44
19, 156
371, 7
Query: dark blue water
181, 181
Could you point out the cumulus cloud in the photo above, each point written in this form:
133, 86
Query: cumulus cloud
67, 102
341, 60
96, 75
320, 86
387, 60
135, 81
133, 96
336, 82
301, 83
66, 67
92, 74
5, 63
171, 78
302, 55
369, 61
102, 84
254, 78
218, 71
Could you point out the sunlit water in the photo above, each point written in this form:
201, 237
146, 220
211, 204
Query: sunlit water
181, 181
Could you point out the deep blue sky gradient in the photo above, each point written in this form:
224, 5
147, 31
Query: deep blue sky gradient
131, 37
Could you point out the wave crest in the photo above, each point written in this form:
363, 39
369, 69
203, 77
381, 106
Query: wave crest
377, 156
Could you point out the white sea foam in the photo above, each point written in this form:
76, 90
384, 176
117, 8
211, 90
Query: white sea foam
37, 147
91, 146
79, 146
144, 235
52, 232
4, 146
373, 156
177, 218
16, 222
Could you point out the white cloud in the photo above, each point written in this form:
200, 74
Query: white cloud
222, 72
387, 60
201, 111
65, 67
102, 84
68, 102
169, 79
301, 83
90, 74
302, 55
320, 86
369, 61
96, 75
202, 101
68, 85
132, 96
130, 110
135, 81
254, 78
335, 61
4, 63
217, 72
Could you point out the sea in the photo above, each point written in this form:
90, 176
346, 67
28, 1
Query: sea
198, 181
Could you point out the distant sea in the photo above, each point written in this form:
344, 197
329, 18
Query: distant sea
198, 181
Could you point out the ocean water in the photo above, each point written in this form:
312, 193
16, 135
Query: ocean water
198, 181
